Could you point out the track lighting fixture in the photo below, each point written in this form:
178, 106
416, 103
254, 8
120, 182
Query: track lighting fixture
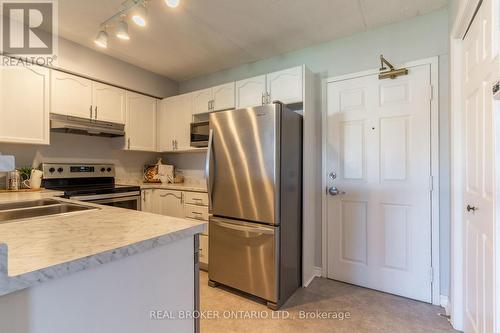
135, 10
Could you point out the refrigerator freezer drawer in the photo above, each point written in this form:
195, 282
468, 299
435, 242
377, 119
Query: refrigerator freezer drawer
244, 256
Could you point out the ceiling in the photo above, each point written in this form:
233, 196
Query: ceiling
204, 36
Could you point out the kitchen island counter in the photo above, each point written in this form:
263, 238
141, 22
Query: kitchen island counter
39, 249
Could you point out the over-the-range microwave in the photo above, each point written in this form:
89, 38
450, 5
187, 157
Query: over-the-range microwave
199, 134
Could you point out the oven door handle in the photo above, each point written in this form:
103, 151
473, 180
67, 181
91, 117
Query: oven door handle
127, 195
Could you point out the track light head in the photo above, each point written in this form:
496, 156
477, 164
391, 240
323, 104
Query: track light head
172, 3
102, 39
139, 15
122, 30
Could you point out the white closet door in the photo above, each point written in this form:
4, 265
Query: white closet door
286, 86
479, 184
379, 230
250, 92
24, 104
70, 95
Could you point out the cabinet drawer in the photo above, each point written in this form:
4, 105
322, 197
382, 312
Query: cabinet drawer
196, 198
196, 212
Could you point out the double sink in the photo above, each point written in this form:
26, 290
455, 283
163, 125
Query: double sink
13, 211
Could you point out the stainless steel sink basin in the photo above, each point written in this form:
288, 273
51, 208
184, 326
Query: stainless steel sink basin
38, 208
28, 204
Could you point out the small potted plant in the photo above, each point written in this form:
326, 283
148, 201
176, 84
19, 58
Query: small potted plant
25, 174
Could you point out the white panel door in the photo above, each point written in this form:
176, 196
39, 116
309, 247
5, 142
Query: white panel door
109, 103
70, 95
202, 100
223, 97
478, 189
250, 92
141, 122
24, 104
286, 86
378, 149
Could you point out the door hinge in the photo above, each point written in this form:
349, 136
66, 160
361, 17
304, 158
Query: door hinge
431, 271
431, 183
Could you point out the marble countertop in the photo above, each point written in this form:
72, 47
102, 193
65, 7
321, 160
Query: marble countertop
36, 250
190, 187
35, 195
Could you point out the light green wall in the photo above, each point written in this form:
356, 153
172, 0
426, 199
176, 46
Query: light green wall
418, 38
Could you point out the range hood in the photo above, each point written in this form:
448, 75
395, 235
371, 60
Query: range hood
85, 126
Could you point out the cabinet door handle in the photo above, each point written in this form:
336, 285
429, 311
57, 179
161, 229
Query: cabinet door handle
90, 109
263, 99
95, 112
128, 143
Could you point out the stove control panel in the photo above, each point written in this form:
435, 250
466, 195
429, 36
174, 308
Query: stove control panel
66, 170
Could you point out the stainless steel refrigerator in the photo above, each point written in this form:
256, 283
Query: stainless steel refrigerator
254, 180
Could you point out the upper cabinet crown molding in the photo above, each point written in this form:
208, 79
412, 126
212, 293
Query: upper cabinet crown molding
24, 104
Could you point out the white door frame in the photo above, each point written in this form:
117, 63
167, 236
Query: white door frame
434, 63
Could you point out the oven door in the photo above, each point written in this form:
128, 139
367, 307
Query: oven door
115, 200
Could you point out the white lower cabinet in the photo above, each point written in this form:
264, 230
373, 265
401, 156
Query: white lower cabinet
190, 205
148, 202
171, 203
24, 104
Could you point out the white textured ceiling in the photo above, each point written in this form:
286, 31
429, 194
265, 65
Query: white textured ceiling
205, 36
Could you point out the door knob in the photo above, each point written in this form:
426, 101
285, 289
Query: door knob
471, 208
334, 191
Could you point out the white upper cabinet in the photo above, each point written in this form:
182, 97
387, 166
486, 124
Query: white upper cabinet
141, 122
71, 95
24, 104
223, 97
174, 121
285, 86
214, 99
202, 101
108, 103
251, 92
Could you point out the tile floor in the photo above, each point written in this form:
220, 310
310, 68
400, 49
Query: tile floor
370, 311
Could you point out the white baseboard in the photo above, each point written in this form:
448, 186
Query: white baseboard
444, 302
317, 272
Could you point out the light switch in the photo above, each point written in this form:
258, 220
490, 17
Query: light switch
7, 163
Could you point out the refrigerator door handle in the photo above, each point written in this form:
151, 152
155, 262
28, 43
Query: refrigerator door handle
208, 171
252, 229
